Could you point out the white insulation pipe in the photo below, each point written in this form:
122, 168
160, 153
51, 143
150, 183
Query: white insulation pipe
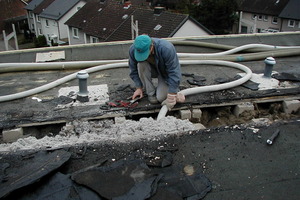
211, 88
59, 82
235, 50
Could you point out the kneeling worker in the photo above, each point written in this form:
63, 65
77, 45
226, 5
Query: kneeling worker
155, 58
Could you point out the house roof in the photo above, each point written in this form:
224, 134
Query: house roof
291, 10
11, 10
268, 7
33, 4
58, 9
40, 8
101, 20
111, 22
161, 26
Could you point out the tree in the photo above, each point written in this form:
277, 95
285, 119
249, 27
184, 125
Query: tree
40, 41
217, 15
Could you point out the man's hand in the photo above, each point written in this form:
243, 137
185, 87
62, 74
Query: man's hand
172, 99
138, 92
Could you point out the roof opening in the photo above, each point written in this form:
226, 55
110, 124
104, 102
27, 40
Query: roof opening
125, 16
157, 27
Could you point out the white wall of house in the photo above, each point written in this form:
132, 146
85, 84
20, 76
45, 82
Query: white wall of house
31, 17
63, 29
189, 28
39, 26
79, 37
261, 22
76, 36
290, 25
50, 30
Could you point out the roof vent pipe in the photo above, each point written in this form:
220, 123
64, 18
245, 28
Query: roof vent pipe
158, 10
82, 95
270, 62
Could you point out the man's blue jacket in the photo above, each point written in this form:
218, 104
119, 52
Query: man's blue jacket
167, 64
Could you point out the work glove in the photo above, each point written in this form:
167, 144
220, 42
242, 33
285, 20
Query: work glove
180, 98
171, 100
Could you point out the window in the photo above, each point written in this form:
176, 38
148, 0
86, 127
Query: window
47, 23
291, 23
78, 8
275, 20
94, 40
32, 27
266, 18
38, 19
260, 17
244, 29
254, 16
157, 27
40, 32
30, 14
75, 32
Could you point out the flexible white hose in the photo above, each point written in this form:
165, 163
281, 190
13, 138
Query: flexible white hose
235, 50
8, 67
210, 88
59, 82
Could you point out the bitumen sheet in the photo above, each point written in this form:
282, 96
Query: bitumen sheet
236, 162
28, 169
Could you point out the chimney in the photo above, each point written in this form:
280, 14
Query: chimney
126, 4
158, 10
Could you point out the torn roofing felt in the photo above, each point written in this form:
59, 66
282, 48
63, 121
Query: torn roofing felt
61, 187
121, 180
133, 180
30, 169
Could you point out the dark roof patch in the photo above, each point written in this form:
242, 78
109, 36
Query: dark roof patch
291, 10
268, 7
58, 9
42, 6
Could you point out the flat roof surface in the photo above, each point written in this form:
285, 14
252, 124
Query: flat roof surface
235, 158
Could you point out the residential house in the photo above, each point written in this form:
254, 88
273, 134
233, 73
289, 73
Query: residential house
161, 24
107, 21
269, 16
290, 16
48, 17
12, 12
32, 22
